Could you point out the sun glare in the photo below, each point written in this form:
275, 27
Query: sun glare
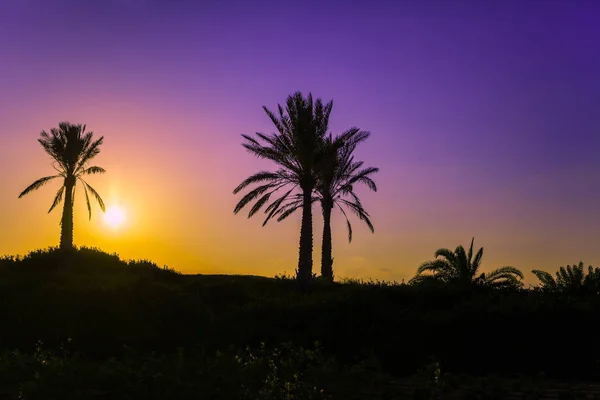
114, 217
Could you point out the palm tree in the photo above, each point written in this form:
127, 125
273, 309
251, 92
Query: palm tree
71, 149
337, 175
458, 267
294, 148
571, 279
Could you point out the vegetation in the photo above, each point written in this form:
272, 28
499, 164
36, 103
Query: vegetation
313, 162
71, 149
295, 149
285, 372
459, 268
338, 176
145, 322
572, 280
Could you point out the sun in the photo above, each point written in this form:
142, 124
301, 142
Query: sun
114, 216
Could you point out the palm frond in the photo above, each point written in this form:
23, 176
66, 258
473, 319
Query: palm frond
90, 150
434, 266
447, 254
477, 260
504, 276
38, 184
268, 188
545, 278
348, 224
274, 207
288, 210
276, 121
363, 177
57, 199
95, 195
506, 282
92, 170
562, 276
423, 279
261, 176
461, 262
508, 270
470, 255
87, 202
259, 204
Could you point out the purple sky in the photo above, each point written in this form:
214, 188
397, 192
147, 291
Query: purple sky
485, 115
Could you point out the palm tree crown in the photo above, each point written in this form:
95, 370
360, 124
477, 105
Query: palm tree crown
571, 279
71, 149
460, 267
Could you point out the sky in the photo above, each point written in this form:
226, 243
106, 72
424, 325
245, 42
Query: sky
484, 120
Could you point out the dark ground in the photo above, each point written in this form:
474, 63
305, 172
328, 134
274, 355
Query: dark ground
71, 323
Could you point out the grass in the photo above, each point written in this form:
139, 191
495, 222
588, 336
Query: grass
133, 328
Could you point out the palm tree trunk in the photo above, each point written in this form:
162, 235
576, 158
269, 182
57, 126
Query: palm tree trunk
66, 230
326, 248
305, 262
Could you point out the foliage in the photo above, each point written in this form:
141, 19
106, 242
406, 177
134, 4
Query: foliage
339, 174
104, 304
459, 268
83, 266
571, 279
286, 373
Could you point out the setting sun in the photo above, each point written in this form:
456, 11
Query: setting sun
114, 216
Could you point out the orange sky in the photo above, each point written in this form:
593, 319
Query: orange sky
178, 201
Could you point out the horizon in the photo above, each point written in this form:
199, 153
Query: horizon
483, 117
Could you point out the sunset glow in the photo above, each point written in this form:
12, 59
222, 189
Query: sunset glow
479, 128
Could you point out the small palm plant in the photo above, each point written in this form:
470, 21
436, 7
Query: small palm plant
462, 268
571, 279
72, 149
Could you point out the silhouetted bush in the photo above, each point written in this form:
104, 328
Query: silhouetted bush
103, 304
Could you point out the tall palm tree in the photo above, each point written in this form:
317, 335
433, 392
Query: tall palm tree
301, 129
71, 149
337, 176
458, 267
571, 279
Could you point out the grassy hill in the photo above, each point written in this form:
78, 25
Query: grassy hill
133, 327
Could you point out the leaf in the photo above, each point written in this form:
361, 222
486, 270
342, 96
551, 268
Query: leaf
38, 184
57, 198
95, 194
87, 202
93, 170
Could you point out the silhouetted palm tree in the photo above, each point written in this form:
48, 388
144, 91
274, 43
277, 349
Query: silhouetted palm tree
295, 148
337, 176
571, 279
72, 149
458, 267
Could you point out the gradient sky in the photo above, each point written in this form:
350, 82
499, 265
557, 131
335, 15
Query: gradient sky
485, 121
